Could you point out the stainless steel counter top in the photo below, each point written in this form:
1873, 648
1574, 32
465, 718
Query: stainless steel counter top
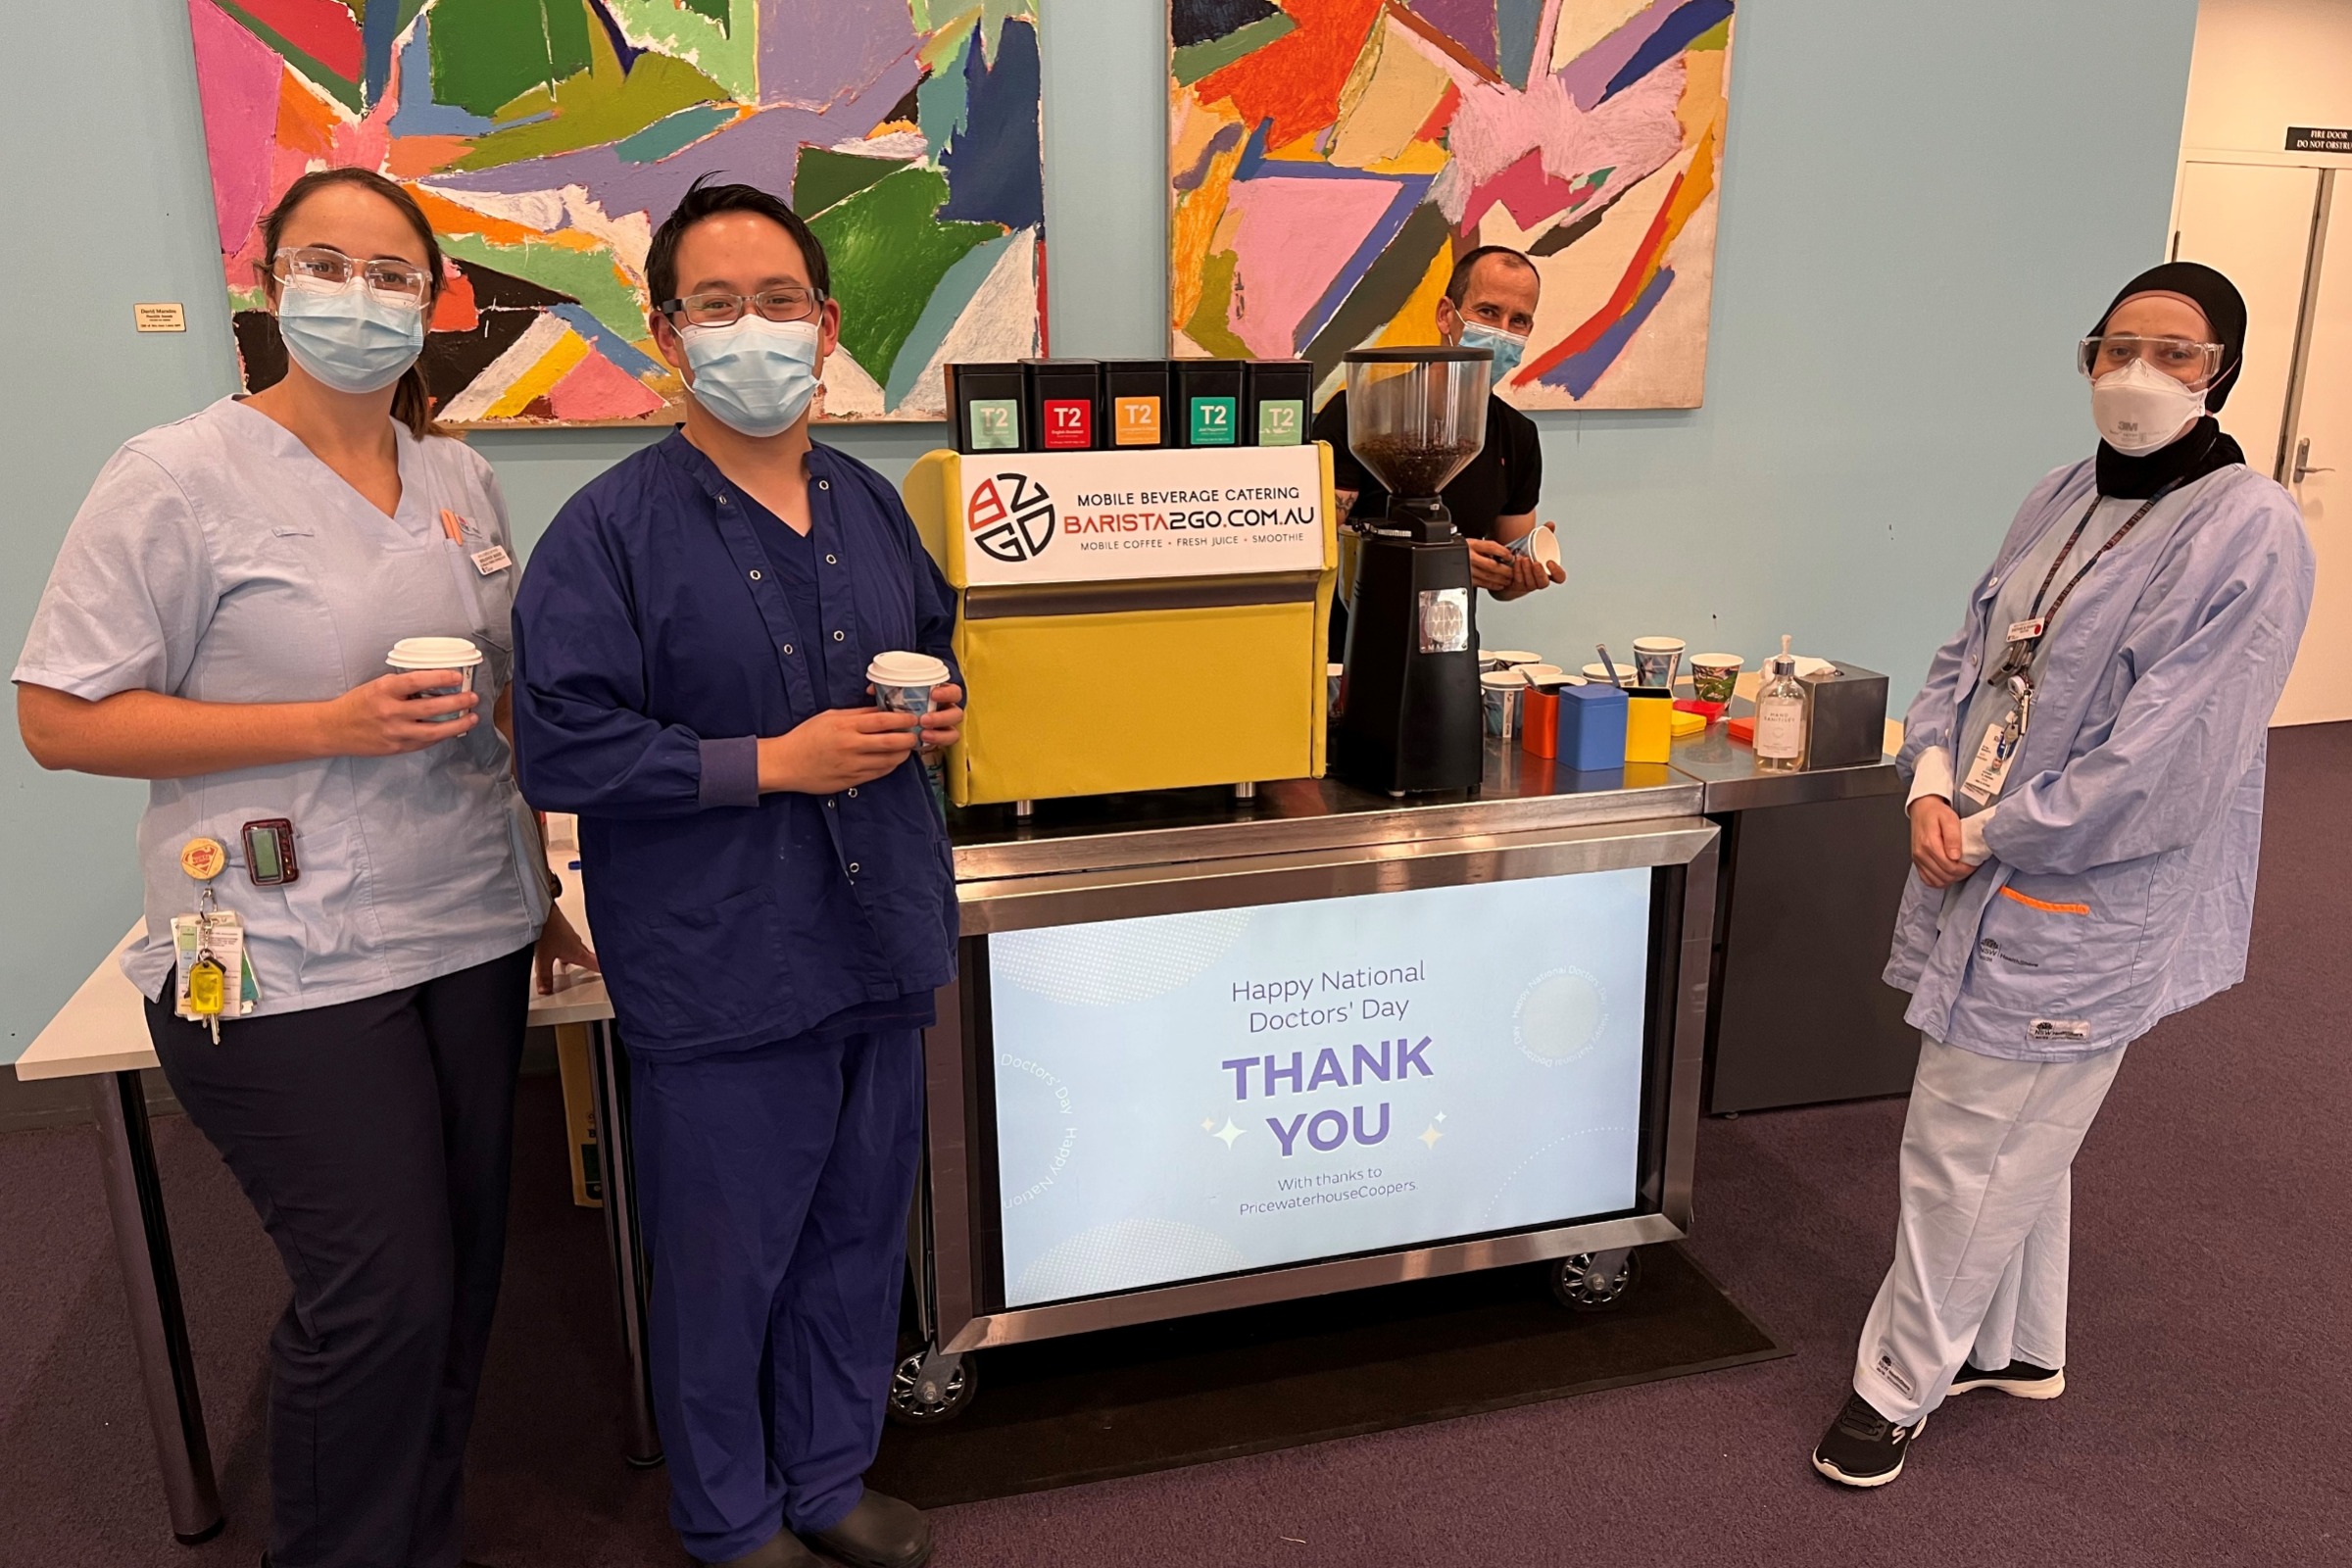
1520, 793
1710, 774
1734, 783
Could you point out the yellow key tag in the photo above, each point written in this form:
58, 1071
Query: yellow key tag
208, 988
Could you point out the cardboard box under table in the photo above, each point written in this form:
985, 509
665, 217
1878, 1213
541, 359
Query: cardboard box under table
1133, 621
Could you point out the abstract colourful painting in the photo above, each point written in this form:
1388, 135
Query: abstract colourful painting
1330, 159
545, 138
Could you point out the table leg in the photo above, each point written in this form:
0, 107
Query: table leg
159, 1329
609, 1068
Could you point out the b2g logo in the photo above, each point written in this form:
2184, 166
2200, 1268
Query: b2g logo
1012, 519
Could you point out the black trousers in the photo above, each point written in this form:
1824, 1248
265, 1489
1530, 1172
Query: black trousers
373, 1139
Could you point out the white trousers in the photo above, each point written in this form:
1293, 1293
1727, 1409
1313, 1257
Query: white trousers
1979, 1252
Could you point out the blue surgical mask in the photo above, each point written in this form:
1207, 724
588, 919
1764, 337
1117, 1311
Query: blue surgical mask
1505, 348
351, 338
754, 376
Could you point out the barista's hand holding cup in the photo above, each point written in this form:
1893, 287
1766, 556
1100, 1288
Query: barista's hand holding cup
918, 684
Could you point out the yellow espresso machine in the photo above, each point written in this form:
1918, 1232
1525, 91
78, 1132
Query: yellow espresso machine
1133, 621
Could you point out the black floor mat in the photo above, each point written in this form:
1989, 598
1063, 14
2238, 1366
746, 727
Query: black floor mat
1160, 1395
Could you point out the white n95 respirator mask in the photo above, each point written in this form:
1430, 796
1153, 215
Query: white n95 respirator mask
2139, 407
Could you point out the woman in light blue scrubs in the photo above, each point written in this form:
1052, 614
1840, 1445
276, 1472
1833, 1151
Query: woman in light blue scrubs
217, 624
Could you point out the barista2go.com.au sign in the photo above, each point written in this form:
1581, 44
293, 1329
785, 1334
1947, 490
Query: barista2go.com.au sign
1094, 516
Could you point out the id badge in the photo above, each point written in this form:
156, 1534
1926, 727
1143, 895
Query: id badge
1990, 769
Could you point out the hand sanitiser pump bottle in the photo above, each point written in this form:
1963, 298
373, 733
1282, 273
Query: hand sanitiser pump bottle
1780, 715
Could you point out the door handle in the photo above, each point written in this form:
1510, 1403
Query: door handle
2303, 461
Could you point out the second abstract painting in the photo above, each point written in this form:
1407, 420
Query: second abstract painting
1328, 159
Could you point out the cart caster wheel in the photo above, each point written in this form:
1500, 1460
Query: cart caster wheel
928, 1388
1595, 1282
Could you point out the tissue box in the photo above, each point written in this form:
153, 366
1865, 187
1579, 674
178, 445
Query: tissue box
1592, 727
1846, 717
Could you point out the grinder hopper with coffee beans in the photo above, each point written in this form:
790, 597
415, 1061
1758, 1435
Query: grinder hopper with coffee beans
1408, 718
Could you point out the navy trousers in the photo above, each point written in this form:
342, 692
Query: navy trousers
374, 1138
773, 1187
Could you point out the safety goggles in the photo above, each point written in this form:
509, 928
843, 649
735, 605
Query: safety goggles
2176, 357
788, 304
327, 269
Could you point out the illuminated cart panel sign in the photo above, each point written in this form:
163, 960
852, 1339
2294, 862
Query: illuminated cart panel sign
1185, 1095
1095, 516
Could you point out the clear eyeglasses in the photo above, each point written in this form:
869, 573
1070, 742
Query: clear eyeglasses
2176, 357
322, 266
788, 304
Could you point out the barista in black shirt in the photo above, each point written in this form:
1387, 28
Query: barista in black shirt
1489, 303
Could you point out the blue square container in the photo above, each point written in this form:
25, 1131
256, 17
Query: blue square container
1592, 727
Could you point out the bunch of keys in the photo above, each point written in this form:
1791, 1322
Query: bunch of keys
208, 982
214, 983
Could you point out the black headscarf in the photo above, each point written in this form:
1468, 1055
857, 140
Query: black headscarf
2203, 448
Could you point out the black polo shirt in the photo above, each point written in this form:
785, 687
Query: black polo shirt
1504, 481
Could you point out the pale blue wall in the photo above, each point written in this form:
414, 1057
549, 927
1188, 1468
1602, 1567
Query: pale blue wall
1924, 205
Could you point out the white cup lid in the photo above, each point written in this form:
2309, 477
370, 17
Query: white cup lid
1659, 645
1503, 681
1511, 656
1600, 671
1537, 674
906, 669
433, 652
1544, 546
1335, 669
1717, 659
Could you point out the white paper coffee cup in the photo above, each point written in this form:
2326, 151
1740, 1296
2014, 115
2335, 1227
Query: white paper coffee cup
1540, 544
454, 654
903, 681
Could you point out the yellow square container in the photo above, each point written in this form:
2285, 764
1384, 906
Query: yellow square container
1649, 724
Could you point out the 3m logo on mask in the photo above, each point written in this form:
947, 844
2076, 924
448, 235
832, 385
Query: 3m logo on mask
1012, 519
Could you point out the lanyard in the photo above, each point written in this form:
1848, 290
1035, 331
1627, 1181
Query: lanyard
2025, 638
2113, 539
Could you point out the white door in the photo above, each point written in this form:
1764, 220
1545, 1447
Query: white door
2319, 691
2262, 224
2252, 222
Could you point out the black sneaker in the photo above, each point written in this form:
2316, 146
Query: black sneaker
2019, 1379
1862, 1447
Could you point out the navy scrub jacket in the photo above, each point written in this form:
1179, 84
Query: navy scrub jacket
654, 646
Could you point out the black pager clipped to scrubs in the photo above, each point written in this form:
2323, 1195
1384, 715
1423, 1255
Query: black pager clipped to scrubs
270, 853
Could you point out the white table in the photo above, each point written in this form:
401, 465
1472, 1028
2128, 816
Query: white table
101, 1035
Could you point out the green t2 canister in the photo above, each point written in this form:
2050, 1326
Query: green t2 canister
1279, 398
1062, 395
1209, 401
985, 402
1135, 404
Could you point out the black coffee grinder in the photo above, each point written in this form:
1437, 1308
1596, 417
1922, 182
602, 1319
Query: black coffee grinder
1409, 717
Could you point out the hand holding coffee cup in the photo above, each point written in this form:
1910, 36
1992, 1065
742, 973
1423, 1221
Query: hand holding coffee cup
1538, 551
918, 684
429, 697
455, 655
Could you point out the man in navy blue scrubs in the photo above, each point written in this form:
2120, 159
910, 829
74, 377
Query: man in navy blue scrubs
768, 880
